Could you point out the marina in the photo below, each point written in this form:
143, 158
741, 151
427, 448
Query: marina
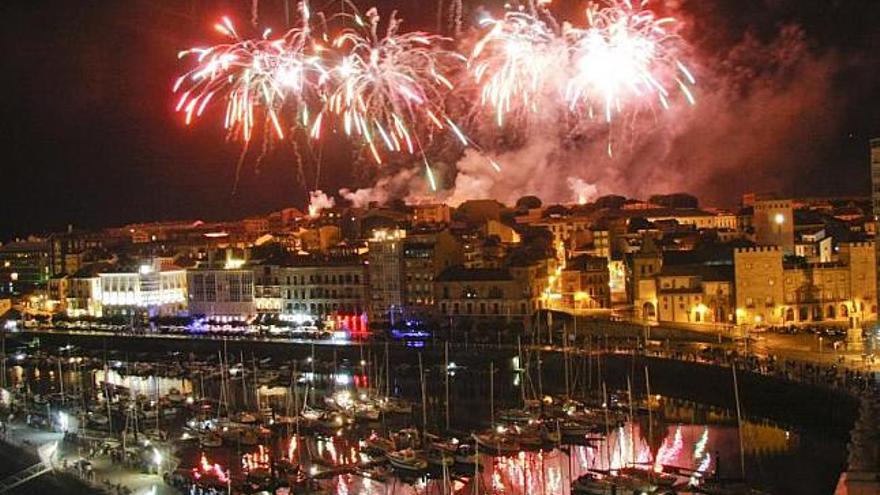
236, 423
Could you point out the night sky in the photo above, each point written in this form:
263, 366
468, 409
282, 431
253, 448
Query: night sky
90, 137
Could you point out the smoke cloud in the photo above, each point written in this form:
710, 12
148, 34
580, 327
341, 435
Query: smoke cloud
767, 110
318, 201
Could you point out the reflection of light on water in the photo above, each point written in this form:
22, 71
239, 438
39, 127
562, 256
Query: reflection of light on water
212, 470
669, 453
292, 447
530, 473
147, 386
256, 460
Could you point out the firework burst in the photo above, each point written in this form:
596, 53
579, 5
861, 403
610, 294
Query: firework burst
513, 63
526, 60
625, 55
274, 78
389, 89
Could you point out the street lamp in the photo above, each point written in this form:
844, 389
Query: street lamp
779, 218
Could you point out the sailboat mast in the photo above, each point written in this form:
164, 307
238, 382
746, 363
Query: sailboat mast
492, 392
742, 452
446, 370
424, 397
522, 374
648, 405
387, 373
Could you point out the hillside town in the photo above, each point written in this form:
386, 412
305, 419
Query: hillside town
667, 260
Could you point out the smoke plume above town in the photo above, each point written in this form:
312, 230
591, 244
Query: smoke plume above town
766, 105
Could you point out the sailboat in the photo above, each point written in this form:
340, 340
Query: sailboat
408, 460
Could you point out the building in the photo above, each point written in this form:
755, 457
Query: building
318, 287
152, 290
814, 245
436, 213
773, 222
66, 251
567, 230
221, 293
586, 283
83, 297
57, 289
483, 295
701, 294
503, 232
267, 289
320, 238
646, 265
425, 255
774, 290
875, 195
758, 276
386, 275
24, 267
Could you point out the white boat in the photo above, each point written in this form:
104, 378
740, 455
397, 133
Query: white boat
247, 418
497, 443
517, 415
574, 429
408, 460
379, 445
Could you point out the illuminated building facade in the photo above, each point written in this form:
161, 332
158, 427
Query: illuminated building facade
771, 290
152, 290
586, 283
425, 255
386, 275
66, 251
773, 222
318, 287
437, 213
472, 295
24, 266
267, 289
221, 294
875, 196
698, 294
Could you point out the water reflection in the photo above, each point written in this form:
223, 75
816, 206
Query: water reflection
685, 437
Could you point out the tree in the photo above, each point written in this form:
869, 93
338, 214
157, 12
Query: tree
611, 201
674, 200
528, 203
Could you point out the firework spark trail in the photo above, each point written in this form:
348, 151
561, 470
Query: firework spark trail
512, 63
624, 54
389, 89
272, 74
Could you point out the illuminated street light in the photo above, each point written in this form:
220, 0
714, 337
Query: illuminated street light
779, 219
